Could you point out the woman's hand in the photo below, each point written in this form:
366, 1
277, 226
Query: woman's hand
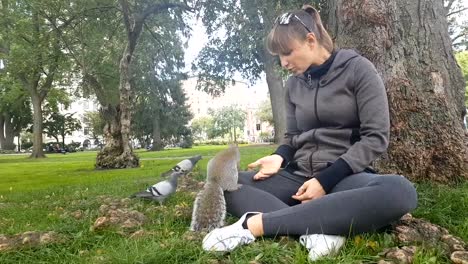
269, 165
309, 191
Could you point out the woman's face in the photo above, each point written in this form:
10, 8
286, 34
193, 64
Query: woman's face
303, 54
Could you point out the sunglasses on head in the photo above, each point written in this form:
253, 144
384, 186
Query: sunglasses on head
285, 19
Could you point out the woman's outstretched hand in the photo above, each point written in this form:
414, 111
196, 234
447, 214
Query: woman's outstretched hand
269, 165
310, 190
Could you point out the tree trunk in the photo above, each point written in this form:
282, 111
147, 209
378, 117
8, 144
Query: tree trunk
157, 143
235, 136
19, 142
125, 106
9, 143
118, 153
409, 44
37, 127
110, 157
275, 86
2, 135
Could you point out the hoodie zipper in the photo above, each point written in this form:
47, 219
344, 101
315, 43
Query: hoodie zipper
309, 78
315, 102
311, 154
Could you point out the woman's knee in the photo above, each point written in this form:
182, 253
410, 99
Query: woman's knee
400, 190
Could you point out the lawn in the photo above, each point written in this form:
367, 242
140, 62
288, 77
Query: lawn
40, 195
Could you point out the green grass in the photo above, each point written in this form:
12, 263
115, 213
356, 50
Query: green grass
34, 194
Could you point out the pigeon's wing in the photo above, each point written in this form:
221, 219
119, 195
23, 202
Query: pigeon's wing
162, 188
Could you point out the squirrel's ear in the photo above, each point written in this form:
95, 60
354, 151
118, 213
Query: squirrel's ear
310, 9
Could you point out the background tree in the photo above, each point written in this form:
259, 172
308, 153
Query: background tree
15, 110
265, 114
118, 153
236, 31
462, 59
103, 46
161, 111
227, 120
60, 125
424, 85
161, 115
94, 122
201, 128
26, 140
33, 53
175, 118
95, 46
456, 10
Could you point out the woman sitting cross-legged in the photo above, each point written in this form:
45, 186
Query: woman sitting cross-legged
318, 184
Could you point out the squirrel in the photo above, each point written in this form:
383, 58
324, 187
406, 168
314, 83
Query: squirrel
209, 210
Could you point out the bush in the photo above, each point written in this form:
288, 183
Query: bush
187, 142
26, 145
73, 146
266, 137
8, 147
7, 151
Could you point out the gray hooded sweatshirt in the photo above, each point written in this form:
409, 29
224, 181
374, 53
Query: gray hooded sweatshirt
342, 115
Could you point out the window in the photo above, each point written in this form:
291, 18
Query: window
259, 127
86, 131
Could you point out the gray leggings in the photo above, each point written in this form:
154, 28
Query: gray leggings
360, 203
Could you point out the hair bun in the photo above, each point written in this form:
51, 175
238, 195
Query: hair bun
310, 10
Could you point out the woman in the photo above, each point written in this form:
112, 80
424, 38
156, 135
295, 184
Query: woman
319, 184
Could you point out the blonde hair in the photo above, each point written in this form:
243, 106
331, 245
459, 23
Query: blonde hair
279, 39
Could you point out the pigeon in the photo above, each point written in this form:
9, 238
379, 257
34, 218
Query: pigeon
184, 166
163, 189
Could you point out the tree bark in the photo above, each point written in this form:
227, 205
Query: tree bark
37, 126
409, 44
110, 157
275, 87
8, 144
125, 102
157, 143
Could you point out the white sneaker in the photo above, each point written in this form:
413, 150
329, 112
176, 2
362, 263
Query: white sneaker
229, 237
320, 245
